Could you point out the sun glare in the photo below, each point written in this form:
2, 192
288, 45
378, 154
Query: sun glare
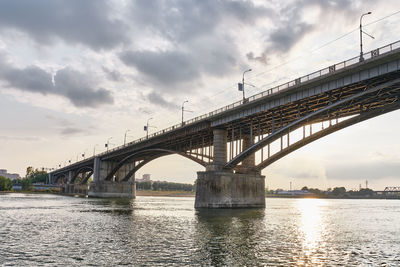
311, 227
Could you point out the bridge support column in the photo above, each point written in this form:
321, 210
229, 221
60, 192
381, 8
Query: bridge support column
220, 150
218, 188
248, 163
110, 189
70, 175
229, 190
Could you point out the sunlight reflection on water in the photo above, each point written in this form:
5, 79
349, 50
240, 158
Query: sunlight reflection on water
312, 226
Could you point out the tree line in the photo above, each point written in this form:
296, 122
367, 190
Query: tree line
336, 192
5, 184
32, 176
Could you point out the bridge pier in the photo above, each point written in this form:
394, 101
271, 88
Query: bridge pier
219, 188
229, 190
111, 189
75, 189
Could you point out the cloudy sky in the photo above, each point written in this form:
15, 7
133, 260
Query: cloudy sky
75, 73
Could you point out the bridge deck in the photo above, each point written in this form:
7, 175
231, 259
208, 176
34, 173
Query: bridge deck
274, 108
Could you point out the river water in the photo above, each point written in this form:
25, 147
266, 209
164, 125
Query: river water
53, 230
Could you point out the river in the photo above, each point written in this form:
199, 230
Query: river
54, 230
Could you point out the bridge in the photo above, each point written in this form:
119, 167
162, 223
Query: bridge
234, 143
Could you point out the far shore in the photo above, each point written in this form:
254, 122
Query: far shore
151, 193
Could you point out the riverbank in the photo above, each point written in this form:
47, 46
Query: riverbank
334, 197
152, 193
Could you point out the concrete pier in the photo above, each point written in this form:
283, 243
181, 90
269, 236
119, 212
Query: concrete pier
219, 188
75, 189
109, 189
229, 190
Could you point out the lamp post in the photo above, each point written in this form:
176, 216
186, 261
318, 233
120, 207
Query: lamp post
183, 108
361, 32
84, 154
108, 143
146, 128
125, 136
94, 149
241, 86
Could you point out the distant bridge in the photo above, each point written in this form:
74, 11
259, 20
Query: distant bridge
235, 142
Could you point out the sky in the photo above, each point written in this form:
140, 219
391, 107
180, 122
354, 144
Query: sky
75, 73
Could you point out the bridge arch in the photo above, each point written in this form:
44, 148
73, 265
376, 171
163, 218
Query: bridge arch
81, 170
355, 100
147, 156
327, 131
59, 176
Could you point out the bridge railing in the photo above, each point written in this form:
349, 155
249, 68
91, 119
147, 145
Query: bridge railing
317, 74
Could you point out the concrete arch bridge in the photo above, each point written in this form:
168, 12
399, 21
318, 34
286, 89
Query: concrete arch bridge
235, 142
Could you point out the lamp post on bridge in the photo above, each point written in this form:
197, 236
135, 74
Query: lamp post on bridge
241, 85
146, 128
125, 136
94, 149
184, 110
361, 32
108, 143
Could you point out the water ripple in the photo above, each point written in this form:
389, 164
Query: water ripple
51, 230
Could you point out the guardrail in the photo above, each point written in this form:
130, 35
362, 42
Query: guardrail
317, 74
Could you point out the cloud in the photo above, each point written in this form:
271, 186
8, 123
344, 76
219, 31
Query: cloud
282, 39
71, 131
79, 89
364, 171
113, 75
188, 47
157, 99
164, 67
262, 58
19, 138
291, 24
181, 21
31, 78
74, 21
69, 83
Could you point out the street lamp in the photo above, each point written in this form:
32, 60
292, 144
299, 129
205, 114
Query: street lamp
125, 136
108, 143
94, 149
84, 154
184, 110
361, 32
241, 85
146, 128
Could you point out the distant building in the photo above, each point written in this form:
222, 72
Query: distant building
17, 187
145, 178
11, 176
